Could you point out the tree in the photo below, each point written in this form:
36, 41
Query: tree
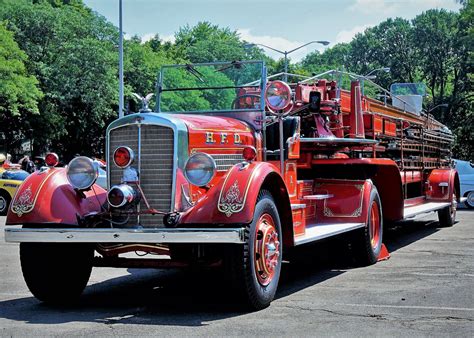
435, 31
207, 43
19, 92
78, 103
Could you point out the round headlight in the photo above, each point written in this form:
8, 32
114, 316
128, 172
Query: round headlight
278, 95
82, 173
200, 168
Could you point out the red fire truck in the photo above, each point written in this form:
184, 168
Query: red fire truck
232, 169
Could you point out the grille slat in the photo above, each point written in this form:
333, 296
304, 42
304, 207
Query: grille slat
156, 167
226, 161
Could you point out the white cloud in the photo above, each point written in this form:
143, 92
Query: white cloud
374, 6
279, 43
392, 7
347, 35
167, 38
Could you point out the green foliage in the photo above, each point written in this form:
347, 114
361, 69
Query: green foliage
63, 49
77, 103
19, 92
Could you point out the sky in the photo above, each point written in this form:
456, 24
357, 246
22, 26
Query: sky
281, 24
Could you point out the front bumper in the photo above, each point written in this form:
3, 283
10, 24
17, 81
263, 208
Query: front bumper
156, 236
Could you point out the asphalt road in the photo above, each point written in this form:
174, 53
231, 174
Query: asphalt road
425, 289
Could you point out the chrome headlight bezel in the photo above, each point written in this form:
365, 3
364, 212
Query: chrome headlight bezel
200, 162
82, 165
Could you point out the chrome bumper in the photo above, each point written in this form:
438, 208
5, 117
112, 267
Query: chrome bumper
176, 235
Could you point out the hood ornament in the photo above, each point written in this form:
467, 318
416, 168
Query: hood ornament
145, 100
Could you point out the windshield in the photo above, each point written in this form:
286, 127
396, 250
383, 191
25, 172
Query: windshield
408, 89
211, 87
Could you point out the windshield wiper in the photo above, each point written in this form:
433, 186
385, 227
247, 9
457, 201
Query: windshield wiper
234, 64
193, 71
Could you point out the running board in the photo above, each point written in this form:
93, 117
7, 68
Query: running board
322, 231
424, 208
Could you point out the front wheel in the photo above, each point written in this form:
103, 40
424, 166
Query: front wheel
368, 243
4, 202
447, 216
256, 267
56, 273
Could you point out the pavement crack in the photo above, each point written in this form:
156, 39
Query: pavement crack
337, 313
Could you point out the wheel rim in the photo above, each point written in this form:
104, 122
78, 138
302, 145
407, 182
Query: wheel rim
3, 204
267, 249
470, 199
374, 225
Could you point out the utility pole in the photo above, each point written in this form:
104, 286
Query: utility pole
120, 61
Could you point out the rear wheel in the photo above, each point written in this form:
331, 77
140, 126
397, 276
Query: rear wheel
4, 202
256, 266
447, 216
56, 273
368, 243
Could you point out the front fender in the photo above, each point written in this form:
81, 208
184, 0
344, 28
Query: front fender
47, 197
232, 200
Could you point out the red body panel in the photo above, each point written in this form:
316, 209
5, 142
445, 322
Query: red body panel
348, 204
233, 198
386, 178
47, 197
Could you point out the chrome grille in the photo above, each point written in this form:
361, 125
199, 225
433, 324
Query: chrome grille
226, 161
155, 163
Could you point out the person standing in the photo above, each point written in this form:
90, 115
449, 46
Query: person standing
27, 164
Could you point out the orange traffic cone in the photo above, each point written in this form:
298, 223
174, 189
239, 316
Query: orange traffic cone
384, 254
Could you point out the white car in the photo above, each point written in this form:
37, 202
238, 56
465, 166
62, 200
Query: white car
466, 177
102, 178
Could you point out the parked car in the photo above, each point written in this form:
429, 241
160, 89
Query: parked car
10, 180
102, 178
466, 177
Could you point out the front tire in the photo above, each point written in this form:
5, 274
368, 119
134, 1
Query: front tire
4, 202
256, 267
368, 243
56, 273
470, 200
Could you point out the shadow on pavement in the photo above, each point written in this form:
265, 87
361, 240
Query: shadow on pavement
192, 298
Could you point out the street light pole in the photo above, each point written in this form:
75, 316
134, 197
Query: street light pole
286, 52
120, 61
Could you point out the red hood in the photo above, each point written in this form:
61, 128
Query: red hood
213, 123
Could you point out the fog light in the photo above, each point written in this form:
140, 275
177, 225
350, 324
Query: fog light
120, 195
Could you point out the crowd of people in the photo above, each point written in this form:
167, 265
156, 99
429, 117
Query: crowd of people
25, 163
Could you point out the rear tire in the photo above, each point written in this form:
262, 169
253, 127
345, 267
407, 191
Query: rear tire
447, 216
255, 267
368, 243
56, 273
4, 202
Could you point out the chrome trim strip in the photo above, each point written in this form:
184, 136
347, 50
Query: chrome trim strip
298, 206
337, 140
181, 148
423, 208
175, 235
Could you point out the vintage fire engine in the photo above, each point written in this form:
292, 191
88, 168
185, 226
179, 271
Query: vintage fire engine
231, 170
